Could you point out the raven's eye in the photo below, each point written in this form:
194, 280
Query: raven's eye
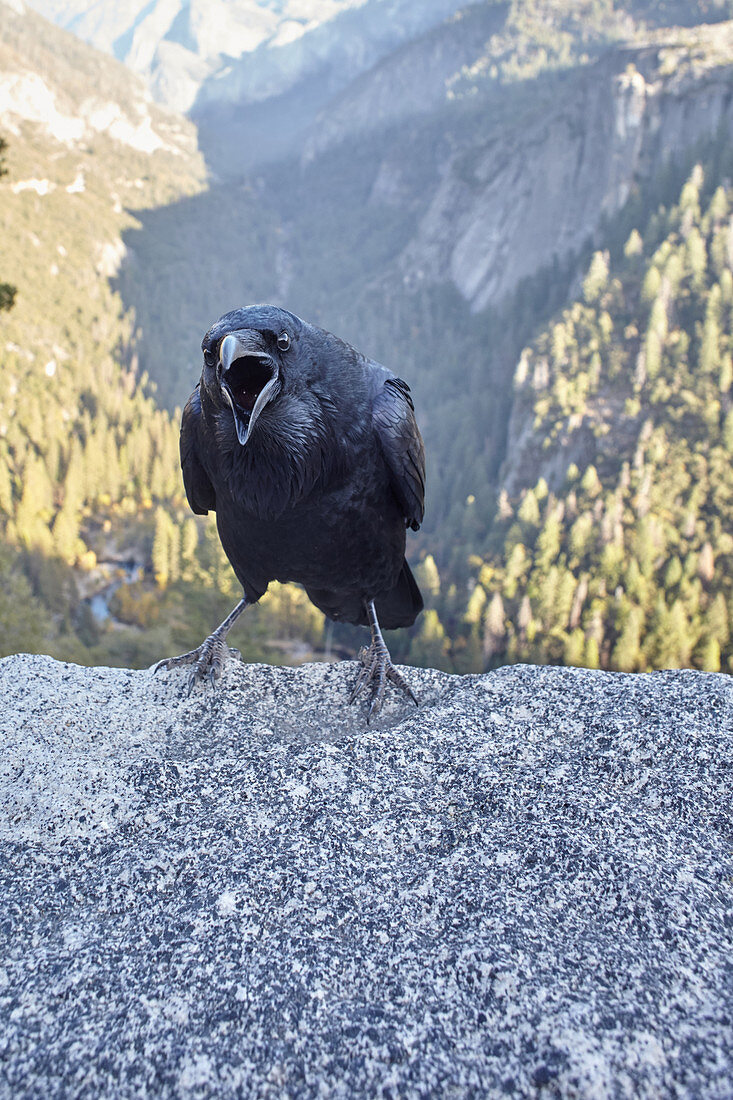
283, 341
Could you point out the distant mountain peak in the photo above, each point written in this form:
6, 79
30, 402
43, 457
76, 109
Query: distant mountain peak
184, 47
175, 45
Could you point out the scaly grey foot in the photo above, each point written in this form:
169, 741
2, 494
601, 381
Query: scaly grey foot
208, 661
377, 670
210, 657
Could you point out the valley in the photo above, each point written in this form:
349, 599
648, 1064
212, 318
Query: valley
443, 207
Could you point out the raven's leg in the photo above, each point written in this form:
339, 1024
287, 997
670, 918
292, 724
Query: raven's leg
378, 667
208, 659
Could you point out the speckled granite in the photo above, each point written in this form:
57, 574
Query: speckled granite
522, 888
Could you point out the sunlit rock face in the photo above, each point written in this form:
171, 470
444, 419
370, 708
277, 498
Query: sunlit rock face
541, 191
523, 883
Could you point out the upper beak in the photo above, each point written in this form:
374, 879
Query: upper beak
248, 376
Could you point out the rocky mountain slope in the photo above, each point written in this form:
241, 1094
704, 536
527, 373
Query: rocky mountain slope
524, 195
521, 887
612, 539
194, 51
476, 191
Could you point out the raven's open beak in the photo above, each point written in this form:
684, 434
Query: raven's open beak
248, 377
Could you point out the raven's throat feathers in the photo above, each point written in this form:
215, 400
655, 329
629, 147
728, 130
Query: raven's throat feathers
291, 449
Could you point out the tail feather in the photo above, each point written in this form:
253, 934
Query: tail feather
402, 604
399, 606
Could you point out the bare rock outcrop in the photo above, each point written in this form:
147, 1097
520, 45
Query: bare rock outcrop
522, 887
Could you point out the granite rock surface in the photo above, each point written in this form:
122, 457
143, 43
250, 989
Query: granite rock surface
522, 887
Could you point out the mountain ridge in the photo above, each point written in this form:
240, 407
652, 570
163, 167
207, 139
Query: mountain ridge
191, 53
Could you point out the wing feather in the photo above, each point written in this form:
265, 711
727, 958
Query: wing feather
199, 490
393, 417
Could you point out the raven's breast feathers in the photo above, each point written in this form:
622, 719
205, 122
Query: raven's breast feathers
291, 450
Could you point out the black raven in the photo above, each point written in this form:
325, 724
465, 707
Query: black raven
311, 457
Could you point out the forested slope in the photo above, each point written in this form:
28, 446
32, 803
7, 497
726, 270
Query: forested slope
620, 552
85, 453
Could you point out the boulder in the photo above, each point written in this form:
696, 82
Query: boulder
521, 887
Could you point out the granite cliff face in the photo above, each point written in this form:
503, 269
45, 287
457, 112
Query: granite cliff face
412, 80
177, 46
523, 196
524, 884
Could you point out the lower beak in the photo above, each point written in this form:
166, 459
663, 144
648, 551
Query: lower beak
244, 430
248, 377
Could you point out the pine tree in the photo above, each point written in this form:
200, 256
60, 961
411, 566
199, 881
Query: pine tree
529, 510
189, 551
549, 541
651, 285
494, 627
161, 548
710, 346
429, 646
696, 258
591, 483
65, 532
22, 617
591, 656
634, 245
627, 655
476, 604
596, 280
574, 652
708, 655
428, 577
716, 620
174, 550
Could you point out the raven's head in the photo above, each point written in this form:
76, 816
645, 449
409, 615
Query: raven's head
245, 361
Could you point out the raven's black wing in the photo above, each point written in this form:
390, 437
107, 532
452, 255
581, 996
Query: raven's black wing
199, 490
393, 417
